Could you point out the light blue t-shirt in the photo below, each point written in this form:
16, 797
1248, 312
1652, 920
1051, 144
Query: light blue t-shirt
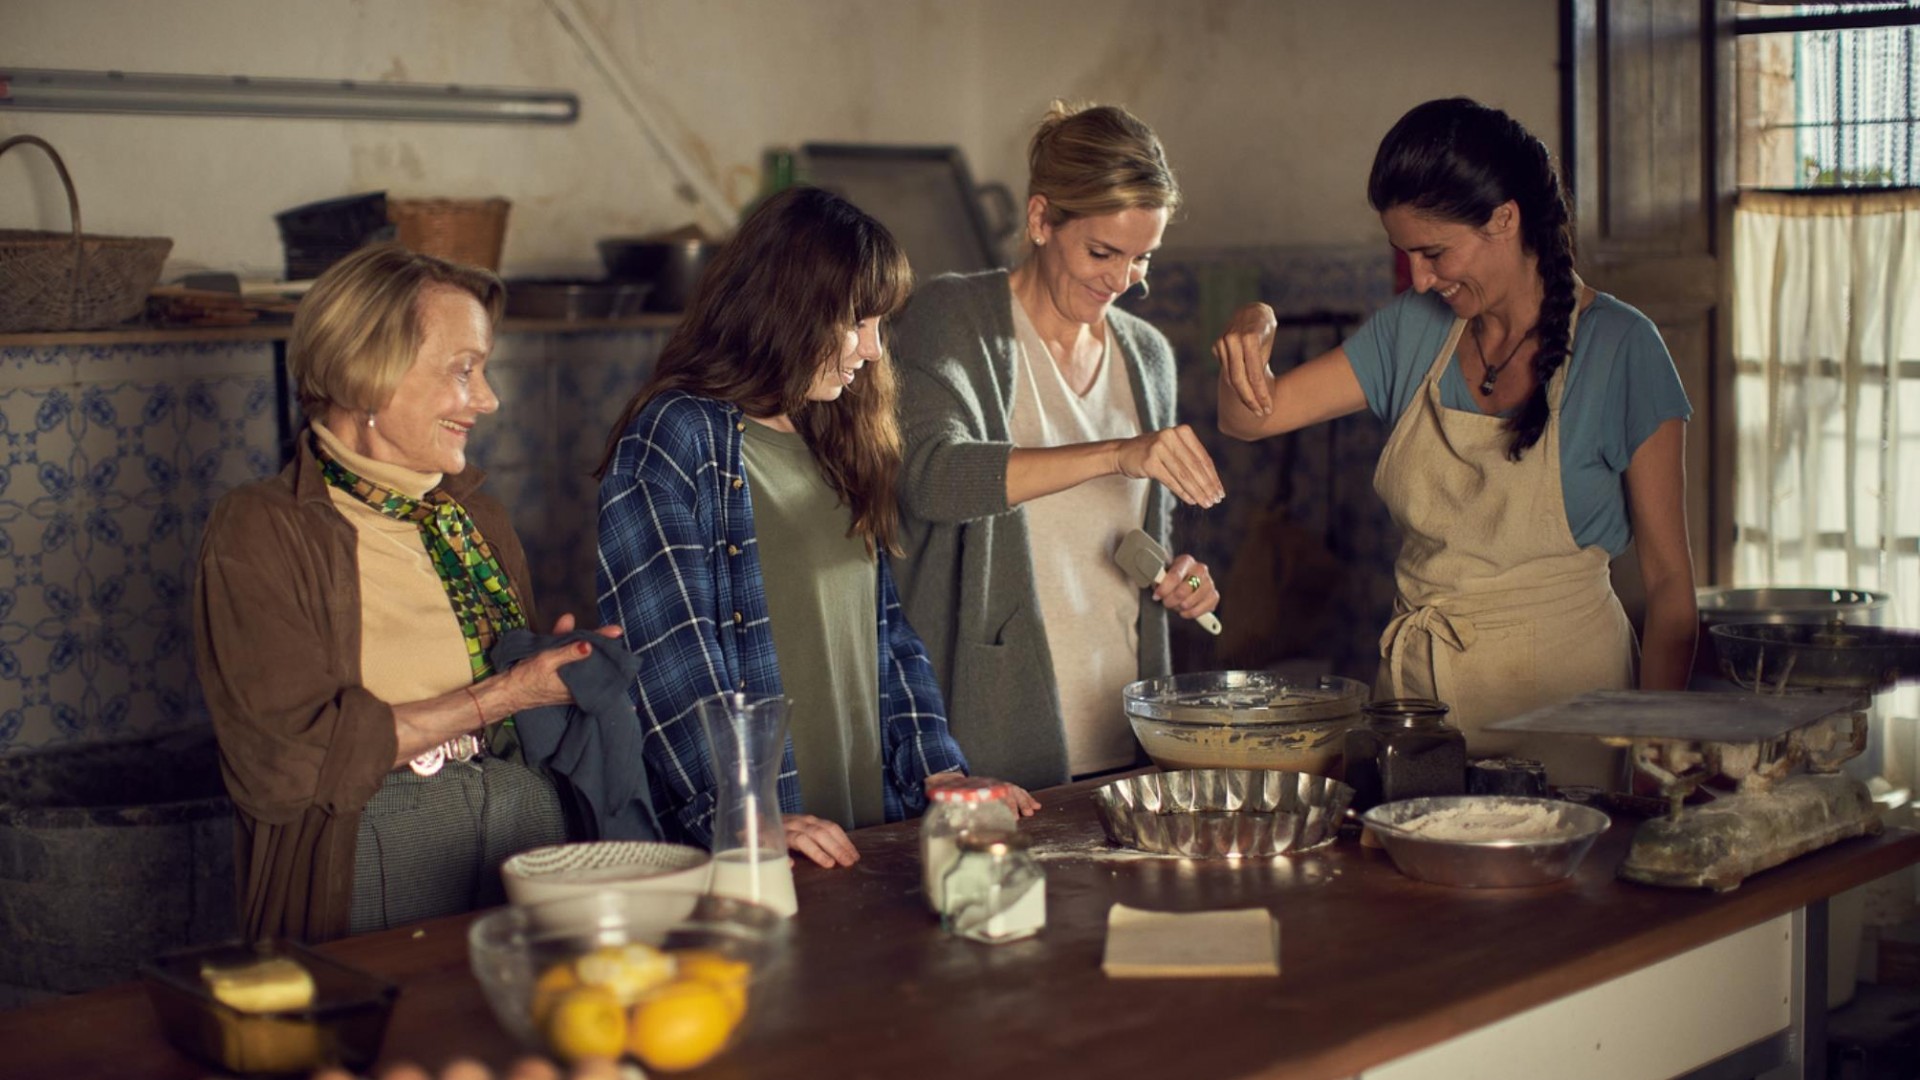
1621, 386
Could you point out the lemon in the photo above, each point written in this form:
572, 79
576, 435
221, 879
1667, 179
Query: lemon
631, 971
587, 1022
553, 982
722, 971
712, 966
682, 1025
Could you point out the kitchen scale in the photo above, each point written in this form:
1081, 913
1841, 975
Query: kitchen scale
1768, 759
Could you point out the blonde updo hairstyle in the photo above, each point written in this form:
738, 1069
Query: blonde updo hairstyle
357, 331
1091, 160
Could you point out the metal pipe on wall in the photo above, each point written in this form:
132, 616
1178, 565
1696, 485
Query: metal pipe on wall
243, 95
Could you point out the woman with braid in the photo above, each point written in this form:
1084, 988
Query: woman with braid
1536, 431
344, 610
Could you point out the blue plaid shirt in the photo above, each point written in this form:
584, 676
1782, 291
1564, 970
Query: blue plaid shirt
679, 573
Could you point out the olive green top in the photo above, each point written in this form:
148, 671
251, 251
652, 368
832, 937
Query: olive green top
821, 600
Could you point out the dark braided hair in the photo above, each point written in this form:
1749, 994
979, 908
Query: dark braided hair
1459, 160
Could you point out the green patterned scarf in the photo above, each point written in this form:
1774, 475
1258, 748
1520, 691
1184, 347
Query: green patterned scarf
484, 601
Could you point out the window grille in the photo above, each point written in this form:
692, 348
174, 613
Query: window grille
1828, 96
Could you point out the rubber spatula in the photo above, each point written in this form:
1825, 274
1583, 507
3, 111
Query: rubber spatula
1145, 563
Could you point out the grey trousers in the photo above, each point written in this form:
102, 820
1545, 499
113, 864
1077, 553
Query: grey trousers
433, 845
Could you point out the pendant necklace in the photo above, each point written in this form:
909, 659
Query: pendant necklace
1491, 372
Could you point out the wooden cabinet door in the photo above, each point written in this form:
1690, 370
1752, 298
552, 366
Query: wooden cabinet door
1647, 128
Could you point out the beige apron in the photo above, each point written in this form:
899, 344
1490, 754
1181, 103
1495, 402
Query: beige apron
1499, 610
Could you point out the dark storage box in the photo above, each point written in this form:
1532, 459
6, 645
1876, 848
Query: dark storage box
320, 234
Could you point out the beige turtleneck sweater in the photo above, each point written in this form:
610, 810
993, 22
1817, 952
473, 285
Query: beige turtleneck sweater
411, 648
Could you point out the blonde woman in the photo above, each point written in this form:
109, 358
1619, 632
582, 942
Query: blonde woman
344, 610
1039, 423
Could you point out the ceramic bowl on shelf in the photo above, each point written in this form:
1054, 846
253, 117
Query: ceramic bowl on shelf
1486, 841
671, 265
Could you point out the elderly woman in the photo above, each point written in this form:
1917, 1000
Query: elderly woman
1537, 428
747, 524
344, 611
1039, 422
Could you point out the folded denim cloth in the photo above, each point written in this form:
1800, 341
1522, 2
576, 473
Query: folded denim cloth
595, 742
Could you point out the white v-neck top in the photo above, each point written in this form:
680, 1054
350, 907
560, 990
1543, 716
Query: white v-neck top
1090, 610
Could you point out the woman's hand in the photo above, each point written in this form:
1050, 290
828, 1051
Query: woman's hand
419, 726
1178, 593
1023, 803
535, 681
1174, 457
1243, 350
820, 840
1253, 404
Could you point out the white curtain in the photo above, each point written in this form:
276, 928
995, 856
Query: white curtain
1826, 344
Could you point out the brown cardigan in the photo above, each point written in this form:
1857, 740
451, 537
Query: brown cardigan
303, 746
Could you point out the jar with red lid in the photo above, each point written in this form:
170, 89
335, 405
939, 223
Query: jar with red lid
969, 805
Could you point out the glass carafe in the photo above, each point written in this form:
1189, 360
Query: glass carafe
746, 737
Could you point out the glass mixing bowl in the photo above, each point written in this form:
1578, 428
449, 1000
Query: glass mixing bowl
517, 953
1245, 720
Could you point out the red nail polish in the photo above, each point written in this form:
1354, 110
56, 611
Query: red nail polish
583, 648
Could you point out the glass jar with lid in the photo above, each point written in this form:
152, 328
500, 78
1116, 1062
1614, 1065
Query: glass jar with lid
995, 890
970, 805
1405, 749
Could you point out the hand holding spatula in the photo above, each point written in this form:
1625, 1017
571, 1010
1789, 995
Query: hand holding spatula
1145, 564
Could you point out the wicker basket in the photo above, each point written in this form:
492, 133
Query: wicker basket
70, 280
467, 231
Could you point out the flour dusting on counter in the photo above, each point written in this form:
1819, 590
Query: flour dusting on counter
1099, 849
1520, 821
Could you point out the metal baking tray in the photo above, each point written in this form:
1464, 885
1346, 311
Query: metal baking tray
1223, 813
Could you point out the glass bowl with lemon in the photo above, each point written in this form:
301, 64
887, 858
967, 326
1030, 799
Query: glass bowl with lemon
664, 978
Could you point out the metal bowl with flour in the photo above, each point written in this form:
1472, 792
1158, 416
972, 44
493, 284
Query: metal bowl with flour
1486, 841
1245, 720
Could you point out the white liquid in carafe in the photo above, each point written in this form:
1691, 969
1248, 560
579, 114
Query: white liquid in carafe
767, 881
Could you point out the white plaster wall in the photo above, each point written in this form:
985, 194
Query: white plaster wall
1269, 108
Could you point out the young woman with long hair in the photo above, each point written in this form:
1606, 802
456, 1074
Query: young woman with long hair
768, 426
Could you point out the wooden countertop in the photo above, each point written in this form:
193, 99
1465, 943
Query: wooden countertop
1374, 966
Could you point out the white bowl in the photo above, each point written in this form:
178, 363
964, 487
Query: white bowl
564, 870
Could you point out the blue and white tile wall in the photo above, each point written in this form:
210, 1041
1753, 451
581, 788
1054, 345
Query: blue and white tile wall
111, 459
559, 397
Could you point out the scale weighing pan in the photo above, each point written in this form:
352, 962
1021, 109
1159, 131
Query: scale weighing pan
1678, 715
1809, 656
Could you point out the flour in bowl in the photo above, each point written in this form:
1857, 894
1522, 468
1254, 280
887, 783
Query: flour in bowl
1511, 821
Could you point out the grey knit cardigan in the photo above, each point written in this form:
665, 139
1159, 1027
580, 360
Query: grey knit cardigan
967, 578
